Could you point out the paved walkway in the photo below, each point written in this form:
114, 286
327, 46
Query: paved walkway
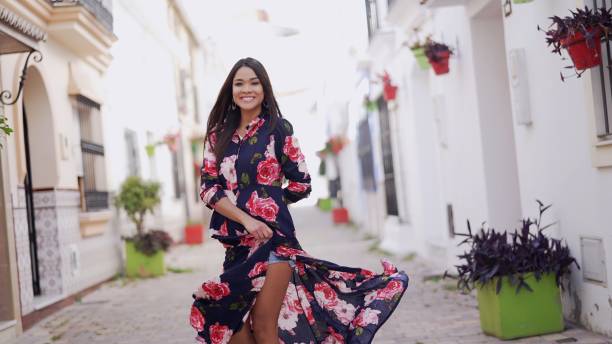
156, 310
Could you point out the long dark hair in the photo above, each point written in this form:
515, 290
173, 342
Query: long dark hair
223, 120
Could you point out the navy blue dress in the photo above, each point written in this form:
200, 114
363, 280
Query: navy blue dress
325, 302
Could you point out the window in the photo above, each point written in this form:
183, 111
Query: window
366, 159
131, 144
602, 84
176, 178
92, 184
387, 157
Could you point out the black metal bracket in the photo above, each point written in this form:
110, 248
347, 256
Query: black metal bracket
6, 95
507, 8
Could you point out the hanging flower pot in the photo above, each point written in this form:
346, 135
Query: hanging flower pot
580, 34
150, 148
420, 57
438, 55
585, 53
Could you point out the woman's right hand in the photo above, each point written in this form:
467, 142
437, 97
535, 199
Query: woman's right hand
258, 229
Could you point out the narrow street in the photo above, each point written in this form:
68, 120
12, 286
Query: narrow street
156, 310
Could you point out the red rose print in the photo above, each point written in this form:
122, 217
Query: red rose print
389, 268
219, 334
393, 288
209, 168
366, 273
297, 187
258, 269
288, 252
216, 291
223, 229
326, 295
248, 240
333, 338
268, 171
291, 148
197, 319
265, 208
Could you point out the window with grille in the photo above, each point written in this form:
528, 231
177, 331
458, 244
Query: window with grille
387, 157
366, 158
602, 84
92, 184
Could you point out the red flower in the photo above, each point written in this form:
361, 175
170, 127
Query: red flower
219, 334
292, 149
389, 268
258, 269
268, 171
366, 273
334, 337
215, 290
223, 229
197, 319
248, 240
297, 187
265, 208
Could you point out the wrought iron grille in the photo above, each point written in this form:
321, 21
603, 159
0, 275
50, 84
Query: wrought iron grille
603, 77
387, 157
93, 157
366, 159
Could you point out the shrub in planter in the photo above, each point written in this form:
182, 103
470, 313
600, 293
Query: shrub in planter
418, 50
517, 276
144, 250
438, 55
580, 34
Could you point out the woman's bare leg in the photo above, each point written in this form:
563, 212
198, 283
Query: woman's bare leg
269, 301
244, 336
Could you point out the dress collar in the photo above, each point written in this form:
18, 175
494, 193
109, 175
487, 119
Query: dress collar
253, 126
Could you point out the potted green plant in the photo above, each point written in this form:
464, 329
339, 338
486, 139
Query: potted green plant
194, 232
4, 127
517, 277
521, 1
438, 55
144, 250
580, 34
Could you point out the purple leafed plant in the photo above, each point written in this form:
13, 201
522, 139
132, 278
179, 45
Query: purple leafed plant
494, 254
433, 50
588, 22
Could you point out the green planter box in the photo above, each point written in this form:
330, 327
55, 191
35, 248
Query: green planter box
325, 204
509, 315
521, 1
140, 265
422, 61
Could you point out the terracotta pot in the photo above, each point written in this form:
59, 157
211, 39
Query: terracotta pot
340, 215
584, 54
194, 234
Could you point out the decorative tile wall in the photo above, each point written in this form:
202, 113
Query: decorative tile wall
22, 241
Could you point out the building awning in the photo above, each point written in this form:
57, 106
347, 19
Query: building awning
17, 35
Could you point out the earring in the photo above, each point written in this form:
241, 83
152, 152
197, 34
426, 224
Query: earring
233, 106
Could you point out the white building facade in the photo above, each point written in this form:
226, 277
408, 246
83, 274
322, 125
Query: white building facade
484, 141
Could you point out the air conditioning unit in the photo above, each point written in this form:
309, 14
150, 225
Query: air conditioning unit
442, 3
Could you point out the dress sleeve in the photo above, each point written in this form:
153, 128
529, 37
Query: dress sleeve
211, 190
293, 165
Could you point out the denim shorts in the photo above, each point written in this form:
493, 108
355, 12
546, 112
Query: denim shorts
273, 258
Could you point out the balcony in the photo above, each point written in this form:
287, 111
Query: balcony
101, 9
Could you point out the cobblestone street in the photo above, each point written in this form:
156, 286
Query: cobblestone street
156, 310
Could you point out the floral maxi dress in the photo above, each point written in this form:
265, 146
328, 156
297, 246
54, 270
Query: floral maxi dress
325, 302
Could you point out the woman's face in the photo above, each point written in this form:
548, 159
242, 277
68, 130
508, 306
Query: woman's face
247, 91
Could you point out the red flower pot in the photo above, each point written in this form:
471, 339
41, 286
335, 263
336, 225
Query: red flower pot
340, 215
440, 65
194, 234
389, 92
584, 55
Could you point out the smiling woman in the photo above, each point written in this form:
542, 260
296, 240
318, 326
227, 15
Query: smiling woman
271, 288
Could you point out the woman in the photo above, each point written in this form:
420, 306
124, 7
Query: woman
270, 290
